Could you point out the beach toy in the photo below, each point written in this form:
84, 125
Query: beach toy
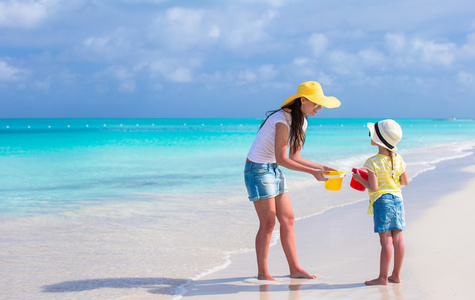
355, 184
335, 179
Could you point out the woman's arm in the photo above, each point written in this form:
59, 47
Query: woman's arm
295, 156
281, 137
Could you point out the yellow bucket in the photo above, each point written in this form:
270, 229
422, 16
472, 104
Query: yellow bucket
334, 180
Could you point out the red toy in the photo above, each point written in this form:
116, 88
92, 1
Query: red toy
355, 184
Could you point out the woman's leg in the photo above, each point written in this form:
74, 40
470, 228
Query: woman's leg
386, 240
399, 250
285, 215
266, 211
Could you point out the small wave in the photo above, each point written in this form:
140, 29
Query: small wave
181, 289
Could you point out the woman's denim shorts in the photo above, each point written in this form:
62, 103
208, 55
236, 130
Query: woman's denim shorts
264, 181
388, 213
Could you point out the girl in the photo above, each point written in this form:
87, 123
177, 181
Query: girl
265, 182
386, 174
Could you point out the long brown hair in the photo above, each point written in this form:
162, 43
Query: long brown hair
392, 155
296, 134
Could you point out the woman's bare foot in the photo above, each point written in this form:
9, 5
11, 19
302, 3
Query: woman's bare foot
302, 274
265, 276
377, 281
394, 279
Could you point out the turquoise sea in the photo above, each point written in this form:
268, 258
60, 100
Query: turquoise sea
166, 196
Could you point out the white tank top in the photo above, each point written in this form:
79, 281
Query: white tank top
263, 148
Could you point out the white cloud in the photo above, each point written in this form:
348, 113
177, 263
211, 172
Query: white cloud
267, 72
182, 29
468, 49
124, 77
372, 58
177, 69
9, 73
435, 53
300, 61
273, 3
214, 32
127, 86
44, 84
122, 73
24, 14
248, 29
466, 78
188, 18
319, 43
416, 52
344, 63
117, 44
181, 74
324, 78
146, 1
261, 74
395, 42
247, 76
278, 85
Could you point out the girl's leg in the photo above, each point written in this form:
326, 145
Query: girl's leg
386, 240
399, 251
266, 211
285, 215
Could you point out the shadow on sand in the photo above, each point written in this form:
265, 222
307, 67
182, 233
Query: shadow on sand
173, 286
164, 286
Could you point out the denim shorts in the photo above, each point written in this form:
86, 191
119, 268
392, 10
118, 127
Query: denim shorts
263, 181
388, 213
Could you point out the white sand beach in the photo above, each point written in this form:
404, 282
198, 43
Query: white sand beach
339, 246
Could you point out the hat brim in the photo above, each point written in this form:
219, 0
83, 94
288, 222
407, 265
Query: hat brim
375, 138
325, 101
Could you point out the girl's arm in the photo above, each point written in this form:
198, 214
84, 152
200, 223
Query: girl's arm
371, 184
281, 132
404, 179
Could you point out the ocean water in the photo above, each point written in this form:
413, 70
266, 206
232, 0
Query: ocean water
150, 204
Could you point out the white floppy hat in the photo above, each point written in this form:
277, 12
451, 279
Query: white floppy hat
386, 133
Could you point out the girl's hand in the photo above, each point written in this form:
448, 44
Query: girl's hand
357, 177
371, 184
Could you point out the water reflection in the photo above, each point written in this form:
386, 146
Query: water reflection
294, 289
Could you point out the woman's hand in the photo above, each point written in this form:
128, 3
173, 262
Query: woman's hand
318, 174
326, 168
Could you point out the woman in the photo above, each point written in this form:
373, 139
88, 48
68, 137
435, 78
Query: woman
265, 182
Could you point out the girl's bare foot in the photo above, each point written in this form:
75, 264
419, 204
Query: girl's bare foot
302, 274
394, 279
377, 281
265, 276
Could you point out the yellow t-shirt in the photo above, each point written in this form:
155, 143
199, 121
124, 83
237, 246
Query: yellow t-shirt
388, 180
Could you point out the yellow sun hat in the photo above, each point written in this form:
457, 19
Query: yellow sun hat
312, 90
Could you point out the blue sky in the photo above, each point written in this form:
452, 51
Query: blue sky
158, 58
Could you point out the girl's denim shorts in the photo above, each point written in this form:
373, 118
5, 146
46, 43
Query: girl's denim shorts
264, 181
388, 213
